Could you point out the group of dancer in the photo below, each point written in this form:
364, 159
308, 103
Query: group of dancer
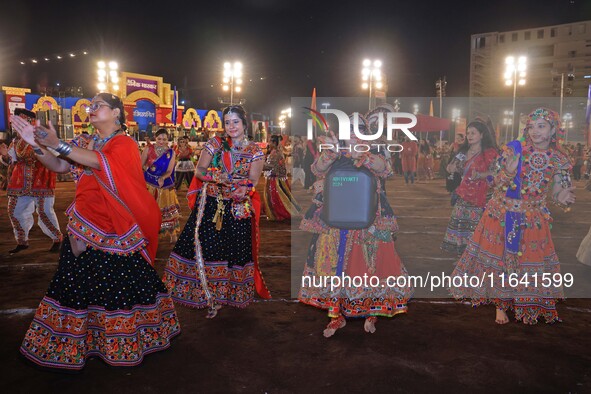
107, 300
500, 226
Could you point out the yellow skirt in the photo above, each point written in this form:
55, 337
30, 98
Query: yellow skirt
169, 208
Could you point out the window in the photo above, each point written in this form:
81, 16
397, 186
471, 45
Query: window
481, 42
569, 30
527, 35
541, 51
501, 38
572, 53
582, 28
553, 32
514, 37
540, 33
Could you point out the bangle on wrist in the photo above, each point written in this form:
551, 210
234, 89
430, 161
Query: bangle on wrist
63, 148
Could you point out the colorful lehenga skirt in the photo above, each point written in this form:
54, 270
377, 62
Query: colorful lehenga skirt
169, 207
279, 203
228, 261
584, 252
463, 222
512, 281
368, 252
98, 304
360, 253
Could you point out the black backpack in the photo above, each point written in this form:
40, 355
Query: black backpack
350, 198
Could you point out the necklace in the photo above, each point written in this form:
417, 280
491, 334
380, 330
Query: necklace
538, 171
160, 149
100, 142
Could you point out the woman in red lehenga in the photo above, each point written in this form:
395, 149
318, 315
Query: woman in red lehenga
511, 251
106, 298
354, 253
476, 161
215, 261
279, 203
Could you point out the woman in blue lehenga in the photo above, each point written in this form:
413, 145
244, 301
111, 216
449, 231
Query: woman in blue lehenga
158, 161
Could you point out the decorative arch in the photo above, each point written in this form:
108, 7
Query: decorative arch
191, 118
45, 103
143, 95
80, 111
213, 121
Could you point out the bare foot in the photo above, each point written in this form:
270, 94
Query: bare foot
501, 317
334, 325
370, 324
213, 311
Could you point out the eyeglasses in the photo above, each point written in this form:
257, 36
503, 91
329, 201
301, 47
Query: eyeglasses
96, 106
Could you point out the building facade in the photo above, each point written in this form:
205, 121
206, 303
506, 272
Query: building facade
558, 61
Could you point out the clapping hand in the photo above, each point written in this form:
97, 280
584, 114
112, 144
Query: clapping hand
566, 196
25, 129
46, 136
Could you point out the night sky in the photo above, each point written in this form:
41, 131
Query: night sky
293, 46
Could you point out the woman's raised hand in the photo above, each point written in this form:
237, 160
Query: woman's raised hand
46, 136
25, 129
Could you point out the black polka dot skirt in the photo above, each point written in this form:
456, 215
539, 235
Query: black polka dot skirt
111, 306
229, 267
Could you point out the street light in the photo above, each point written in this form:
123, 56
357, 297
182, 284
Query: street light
507, 122
570, 78
232, 79
371, 73
567, 123
512, 69
455, 115
415, 109
286, 113
108, 77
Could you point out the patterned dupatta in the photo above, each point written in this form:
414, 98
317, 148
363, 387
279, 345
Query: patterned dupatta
514, 220
157, 167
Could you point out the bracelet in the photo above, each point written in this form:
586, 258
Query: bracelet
63, 148
38, 151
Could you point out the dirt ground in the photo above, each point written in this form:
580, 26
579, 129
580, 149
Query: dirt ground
277, 346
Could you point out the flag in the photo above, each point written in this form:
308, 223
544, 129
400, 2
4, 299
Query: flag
174, 106
313, 107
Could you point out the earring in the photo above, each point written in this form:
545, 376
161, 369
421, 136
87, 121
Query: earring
117, 122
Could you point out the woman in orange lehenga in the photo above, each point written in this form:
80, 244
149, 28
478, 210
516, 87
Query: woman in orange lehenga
279, 203
511, 251
354, 253
106, 298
